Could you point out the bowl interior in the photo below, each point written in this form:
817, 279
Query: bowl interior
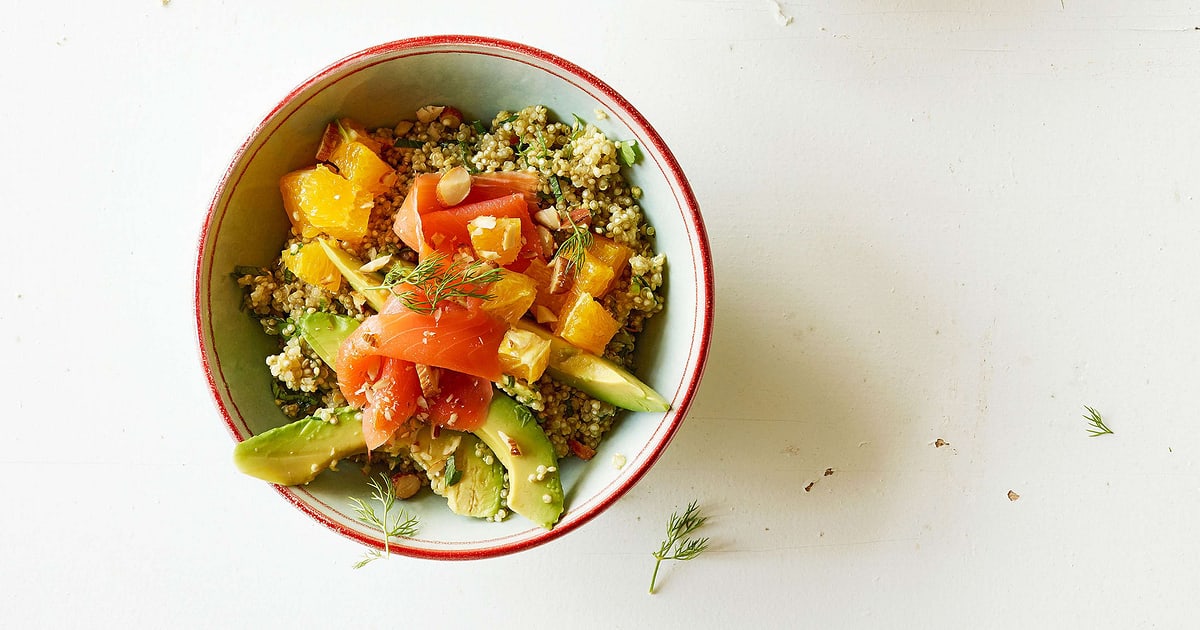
378, 87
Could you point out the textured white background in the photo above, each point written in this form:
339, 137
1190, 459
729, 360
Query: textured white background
958, 219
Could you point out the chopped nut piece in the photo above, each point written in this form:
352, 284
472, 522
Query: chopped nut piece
828, 471
581, 450
428, 376
939, 443
581, 216
546, 240
548, 217
377, 264
403, 127
809, 487
329, 141
544, 315
1013, 496
454, 186
451, 117
562, 272
404, 486
429, 113
513, 447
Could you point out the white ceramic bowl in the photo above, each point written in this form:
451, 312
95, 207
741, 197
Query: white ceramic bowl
378, 86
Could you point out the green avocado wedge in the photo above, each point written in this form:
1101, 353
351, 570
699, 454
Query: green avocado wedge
296, 453
325, 332
596, 375
534, 488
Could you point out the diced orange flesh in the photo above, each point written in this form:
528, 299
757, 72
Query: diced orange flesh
317, 200
359, 164
524, 354
595, 276
311, 265
610, 252
512, 295
497, 239
586, 324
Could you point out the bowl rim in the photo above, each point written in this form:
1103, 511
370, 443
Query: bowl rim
704, 287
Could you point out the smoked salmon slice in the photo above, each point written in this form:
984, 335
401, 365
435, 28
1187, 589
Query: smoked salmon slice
376, 371
425, 225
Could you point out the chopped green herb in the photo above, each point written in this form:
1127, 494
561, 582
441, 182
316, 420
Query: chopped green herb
241, 271
556, 188
1096, 423
509, 119
630, 152
304, 401
405, 143
453, 474
578, 127
462, 149
478, 126
524, 414
342, 131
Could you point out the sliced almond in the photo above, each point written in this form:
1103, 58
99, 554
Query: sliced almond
454, 186
548, 217
561, 275
329, 141
428, 376
404, 486
429, 113
377, 264
451, 118
581, 450
546, 240
544, 315
513, 447
581, 216
403, 127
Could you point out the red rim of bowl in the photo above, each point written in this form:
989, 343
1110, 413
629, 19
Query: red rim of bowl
704, 288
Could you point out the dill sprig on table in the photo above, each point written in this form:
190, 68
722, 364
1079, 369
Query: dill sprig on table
677, 545
404, 523
1096, 423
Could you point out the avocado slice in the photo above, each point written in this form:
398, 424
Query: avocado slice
534, 488
325, 332
295, 453
595, 375
476, 491
361, 281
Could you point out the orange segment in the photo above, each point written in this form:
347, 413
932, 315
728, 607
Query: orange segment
311, 265
317, 200
512, 295
359, 164
497, 239
585, 323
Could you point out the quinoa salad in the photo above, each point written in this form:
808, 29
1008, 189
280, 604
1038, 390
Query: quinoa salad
579, 187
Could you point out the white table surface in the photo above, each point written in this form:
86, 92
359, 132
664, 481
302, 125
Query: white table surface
961, 220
